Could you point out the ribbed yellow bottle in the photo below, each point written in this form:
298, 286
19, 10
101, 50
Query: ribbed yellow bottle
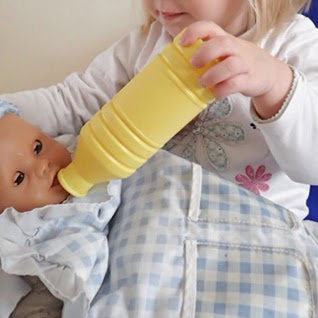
157, 103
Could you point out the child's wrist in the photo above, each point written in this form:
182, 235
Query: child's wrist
278, 113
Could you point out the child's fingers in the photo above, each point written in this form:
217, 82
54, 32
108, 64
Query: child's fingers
204, 30
218, 47
222, 71
230, 86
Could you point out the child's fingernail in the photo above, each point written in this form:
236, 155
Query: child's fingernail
194, 61
182, 39
202, 82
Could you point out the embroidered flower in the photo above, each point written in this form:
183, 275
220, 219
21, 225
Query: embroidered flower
201, 140
254, 181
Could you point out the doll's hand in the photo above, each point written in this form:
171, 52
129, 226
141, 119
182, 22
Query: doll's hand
243, 67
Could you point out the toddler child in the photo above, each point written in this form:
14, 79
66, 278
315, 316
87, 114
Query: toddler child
259, 133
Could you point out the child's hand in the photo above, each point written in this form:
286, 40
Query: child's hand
243, 67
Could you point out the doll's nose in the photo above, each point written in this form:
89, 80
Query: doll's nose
42, 167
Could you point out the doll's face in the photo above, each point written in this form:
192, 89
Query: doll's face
29, 162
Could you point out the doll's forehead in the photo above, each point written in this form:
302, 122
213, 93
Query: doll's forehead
13, 128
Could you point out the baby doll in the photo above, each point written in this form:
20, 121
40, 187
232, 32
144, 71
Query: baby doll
29, 163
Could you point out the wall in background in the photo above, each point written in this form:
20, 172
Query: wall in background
42, 41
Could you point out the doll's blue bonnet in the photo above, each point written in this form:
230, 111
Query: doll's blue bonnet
6, 107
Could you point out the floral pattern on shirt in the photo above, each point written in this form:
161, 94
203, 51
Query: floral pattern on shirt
254, 181
202, 140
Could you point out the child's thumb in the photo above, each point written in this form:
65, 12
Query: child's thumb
204, 30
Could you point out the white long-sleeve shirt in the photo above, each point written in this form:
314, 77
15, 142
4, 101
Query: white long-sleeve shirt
277, 159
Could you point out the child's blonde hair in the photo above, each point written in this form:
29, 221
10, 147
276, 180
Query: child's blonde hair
271, 14
264, 14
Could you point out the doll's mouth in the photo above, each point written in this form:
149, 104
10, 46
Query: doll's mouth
55, 181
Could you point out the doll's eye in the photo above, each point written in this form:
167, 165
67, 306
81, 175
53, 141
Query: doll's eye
37, 147
19, 177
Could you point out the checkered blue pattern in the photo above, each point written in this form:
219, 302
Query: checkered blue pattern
185, 243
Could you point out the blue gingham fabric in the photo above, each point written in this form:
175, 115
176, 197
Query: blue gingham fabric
185, 243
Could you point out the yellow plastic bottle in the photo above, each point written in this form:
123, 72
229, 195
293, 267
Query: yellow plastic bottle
157, 103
